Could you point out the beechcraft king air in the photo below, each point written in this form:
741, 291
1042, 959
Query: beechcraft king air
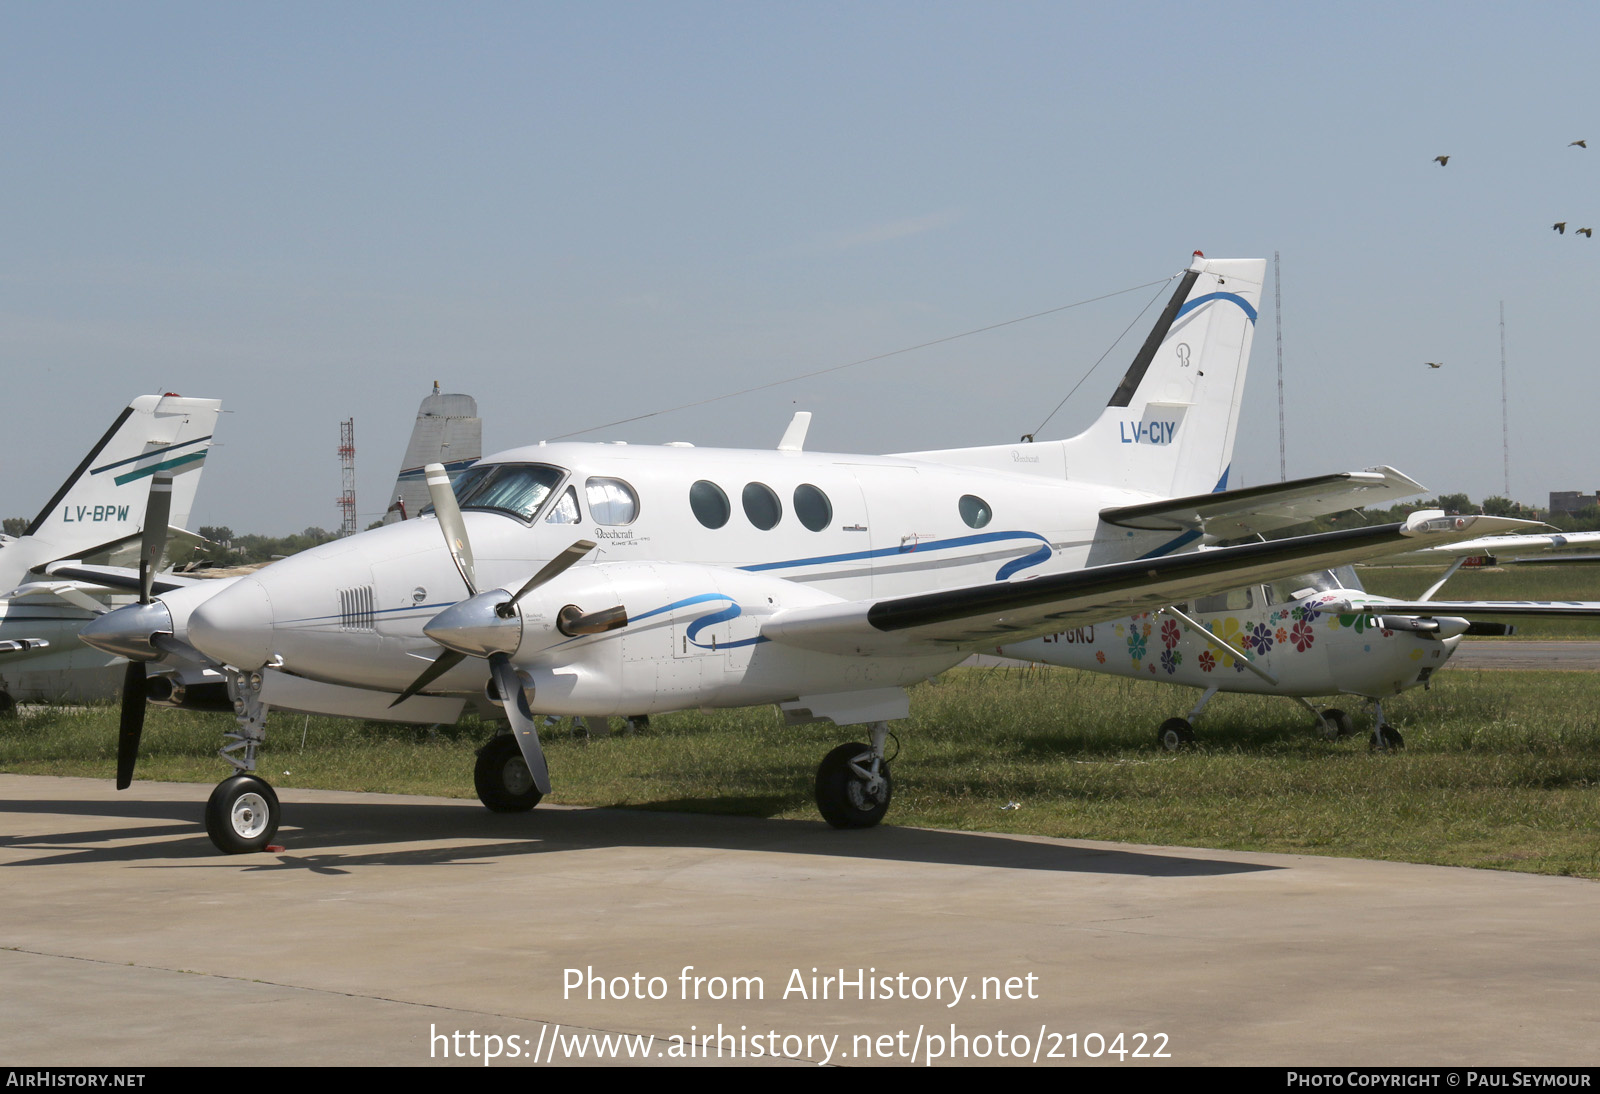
600, 579
94, 518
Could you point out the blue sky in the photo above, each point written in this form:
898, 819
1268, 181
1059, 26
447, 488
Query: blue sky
583, 212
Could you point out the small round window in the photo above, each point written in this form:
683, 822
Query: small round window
761, 505
812, 507
709, 503
975, 511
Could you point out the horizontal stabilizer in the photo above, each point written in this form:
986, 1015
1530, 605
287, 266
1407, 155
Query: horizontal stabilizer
1231, 514
115, 577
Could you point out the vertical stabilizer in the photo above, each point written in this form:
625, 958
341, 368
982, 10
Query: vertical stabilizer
448, 431
104, 498
1170, 425
1169, 428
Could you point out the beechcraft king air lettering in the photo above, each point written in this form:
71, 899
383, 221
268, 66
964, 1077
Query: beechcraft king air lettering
824, 584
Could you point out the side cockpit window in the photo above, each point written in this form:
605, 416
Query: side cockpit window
565, 510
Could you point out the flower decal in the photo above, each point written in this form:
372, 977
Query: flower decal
1100, 656
1207, 662
1169, 633
1259, 639
1170, 660
1281, 635
1301, 636
1136, 645
1306, 613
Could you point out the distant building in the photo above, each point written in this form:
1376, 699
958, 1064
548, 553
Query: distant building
1571, 502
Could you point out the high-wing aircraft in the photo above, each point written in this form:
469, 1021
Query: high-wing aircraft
600, 579
96, 517
1301, 637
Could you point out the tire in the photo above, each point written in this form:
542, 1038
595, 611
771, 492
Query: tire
1342, 722
1175, 734
242, 815
1387, 738
502, 778
842, 796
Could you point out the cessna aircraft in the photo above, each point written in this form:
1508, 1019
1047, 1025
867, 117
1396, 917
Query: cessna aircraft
1312, 635
823, 583
96, 517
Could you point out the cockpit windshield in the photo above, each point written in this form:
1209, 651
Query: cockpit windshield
519, 489
1322, 581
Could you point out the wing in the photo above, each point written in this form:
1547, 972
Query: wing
1002, 612
1495, 545
1230, 514
1470, 609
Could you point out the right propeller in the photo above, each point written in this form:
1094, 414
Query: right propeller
490, 625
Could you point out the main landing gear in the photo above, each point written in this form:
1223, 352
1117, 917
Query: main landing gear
853, 784
502, 778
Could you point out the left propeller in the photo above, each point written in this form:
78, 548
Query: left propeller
137, 631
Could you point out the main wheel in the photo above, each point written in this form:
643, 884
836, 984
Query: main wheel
843, 797
242, 815
1387, 737
505, 785
1175, 733
1343, 724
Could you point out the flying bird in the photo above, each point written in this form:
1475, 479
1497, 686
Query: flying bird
1587, 233
1580, 144
1436, 364
1559, 226
1441, 160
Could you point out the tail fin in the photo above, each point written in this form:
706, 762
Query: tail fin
104, 499
1169, 427
448, 431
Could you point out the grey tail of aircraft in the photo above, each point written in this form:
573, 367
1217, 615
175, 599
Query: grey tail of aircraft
448, 431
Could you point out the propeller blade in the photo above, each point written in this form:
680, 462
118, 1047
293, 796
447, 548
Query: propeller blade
509, 686
574, 621
153, 537
554, 567
132, 727
450, 522
442, 664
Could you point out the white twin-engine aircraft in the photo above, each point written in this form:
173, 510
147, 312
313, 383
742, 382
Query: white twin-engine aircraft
96, 518
601, 579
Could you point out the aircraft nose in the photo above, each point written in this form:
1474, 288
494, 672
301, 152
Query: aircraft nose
235, 626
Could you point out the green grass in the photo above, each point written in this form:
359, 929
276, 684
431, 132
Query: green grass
1500, 769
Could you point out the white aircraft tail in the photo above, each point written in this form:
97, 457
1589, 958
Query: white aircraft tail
1169, 427
104, 498
448, 431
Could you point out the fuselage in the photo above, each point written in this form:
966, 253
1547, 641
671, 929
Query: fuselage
1283, 628
699, 545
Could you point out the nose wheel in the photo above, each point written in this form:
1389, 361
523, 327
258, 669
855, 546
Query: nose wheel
242, 815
